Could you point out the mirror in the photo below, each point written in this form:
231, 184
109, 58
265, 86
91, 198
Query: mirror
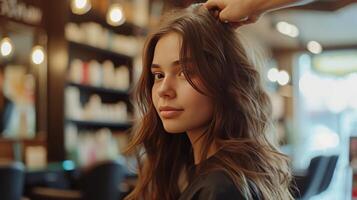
23, 66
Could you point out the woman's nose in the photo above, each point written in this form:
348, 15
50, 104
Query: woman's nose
167, 88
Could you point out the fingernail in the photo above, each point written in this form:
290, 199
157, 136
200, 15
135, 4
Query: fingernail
244, 19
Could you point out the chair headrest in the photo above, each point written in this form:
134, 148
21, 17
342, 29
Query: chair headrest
12, 165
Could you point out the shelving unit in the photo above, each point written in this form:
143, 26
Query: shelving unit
100, 90
93, 16
86, 51
90, 49
98, 124
63, 49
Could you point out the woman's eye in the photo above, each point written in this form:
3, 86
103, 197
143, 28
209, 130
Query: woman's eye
157, 76
186, 73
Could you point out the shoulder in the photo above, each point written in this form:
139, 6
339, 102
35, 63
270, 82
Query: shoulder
218, 185
215, 178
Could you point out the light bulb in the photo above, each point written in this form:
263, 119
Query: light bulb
80, 7
314, 47
37, 55
283, 77
273, 74
287, 29
6, 47
115, 15
282, 27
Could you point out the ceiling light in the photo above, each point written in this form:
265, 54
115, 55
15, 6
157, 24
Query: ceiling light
293, 32
6, 47
287, 29
115, 15
314, 47
273, 74
283, 77
80, 7
282, 27
37, 55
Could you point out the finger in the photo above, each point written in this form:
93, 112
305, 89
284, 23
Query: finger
244, 19
215, 13
251, 19
212, 4
248, 20
225, 16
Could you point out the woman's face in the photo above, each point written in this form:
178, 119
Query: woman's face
180, 107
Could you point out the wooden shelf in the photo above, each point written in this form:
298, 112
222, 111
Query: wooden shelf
127, 28
37, 139
105, 52
99, 90
86, 52
99, 124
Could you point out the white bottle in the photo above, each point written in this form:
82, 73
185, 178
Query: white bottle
108, 74
95, 73
76, 71
122, 77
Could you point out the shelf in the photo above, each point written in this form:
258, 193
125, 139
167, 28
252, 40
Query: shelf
99, 124
127, 28
98, 50
100, 90
37, 139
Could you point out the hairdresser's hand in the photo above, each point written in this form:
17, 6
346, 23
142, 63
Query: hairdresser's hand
237, 12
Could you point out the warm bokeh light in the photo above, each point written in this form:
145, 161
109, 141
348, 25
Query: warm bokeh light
115, 15
283, 77
287, 29
314, 47
6, 47
37, 55
80, 7
273, 74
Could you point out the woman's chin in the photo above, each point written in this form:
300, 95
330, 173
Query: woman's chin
173, 130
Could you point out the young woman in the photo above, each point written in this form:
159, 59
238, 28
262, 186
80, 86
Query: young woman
204, 117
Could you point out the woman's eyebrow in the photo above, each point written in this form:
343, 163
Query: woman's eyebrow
154, 66
173, 64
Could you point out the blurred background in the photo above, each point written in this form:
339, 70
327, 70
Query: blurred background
67, 70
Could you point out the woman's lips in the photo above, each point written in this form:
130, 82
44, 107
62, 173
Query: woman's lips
170, 113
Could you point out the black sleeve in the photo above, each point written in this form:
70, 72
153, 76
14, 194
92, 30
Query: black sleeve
227, 192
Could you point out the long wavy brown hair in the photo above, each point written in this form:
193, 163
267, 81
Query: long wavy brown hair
241, 117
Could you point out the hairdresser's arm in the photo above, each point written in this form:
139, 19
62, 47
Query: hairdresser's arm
248, 11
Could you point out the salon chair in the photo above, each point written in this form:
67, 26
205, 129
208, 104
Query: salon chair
100, 182
11, 181
318, 177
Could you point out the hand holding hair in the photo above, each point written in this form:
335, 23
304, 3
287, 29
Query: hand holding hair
240, 12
